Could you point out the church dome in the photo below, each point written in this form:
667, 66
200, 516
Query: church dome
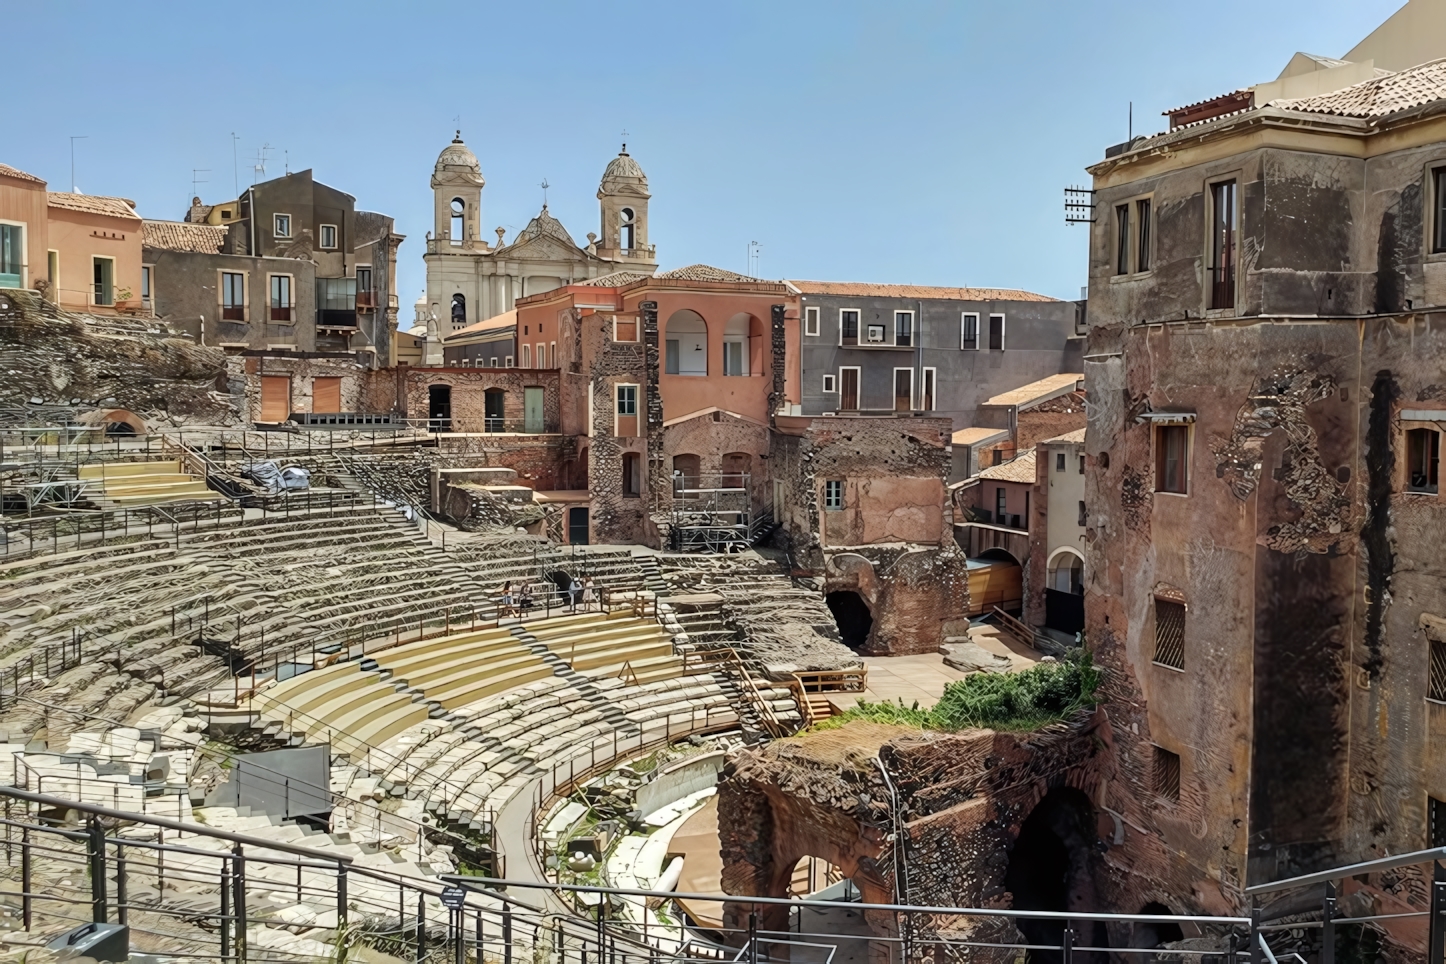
456, 158
624, 170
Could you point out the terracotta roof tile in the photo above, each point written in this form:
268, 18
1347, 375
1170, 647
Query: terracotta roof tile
496, 322
859, 289
1020, 469
15, 172
1040, 391
702, 272
973, 435
183, 236
114, 207
1378, 97
1068, 437
614, 280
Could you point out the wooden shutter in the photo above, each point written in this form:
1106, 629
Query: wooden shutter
275, 398
326, 395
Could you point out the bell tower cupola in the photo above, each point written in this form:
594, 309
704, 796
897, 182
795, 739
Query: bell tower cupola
623, 200
457, 198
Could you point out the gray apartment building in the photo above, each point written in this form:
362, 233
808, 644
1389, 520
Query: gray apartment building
290, 265
876, 348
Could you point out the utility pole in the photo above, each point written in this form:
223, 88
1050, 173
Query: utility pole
235, 167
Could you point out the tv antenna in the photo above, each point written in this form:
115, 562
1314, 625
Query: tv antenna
73, 139
755, 251
196, 179
544, 185
259, 168
235, 167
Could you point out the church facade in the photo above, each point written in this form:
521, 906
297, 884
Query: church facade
470, 279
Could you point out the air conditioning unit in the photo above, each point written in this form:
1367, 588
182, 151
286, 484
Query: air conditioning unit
876, 334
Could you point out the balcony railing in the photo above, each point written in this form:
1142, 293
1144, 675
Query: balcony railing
233, 312
280, 312
366, 300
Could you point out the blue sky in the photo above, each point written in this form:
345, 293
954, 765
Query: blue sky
913, 142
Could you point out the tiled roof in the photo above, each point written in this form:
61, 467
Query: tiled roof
702, 272
496, 322
183, 236
1040, 391
975, 434
1077, 436
1379, 97
15, 172
860, 289
1019, 469
114, 207
614, 280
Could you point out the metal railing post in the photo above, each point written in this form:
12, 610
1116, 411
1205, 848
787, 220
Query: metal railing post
1328, 926
238, 881
225, 909
1066, 946
96, 852
27, 903
506, 934
1437, 941
421, 927
341, 902
120, 883
1256, 955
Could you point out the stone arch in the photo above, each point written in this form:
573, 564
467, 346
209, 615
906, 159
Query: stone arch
459, 310
1051, 867
1155, 934
457, 230
737, 469
1001, 555
853, 616
121, 422
1064, 572
494, 410
685, 344
687, 470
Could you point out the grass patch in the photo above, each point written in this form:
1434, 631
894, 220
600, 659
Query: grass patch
1021, 701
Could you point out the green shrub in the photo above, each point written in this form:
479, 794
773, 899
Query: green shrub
1026, 700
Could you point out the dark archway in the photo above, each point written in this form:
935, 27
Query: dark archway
1150, 934
439, 408
853, 617
1050, 868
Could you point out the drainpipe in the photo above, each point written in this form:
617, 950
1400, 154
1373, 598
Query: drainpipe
919, 351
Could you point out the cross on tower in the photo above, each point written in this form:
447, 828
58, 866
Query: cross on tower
625, 140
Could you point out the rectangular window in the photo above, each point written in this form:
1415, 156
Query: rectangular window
1059, 462
848, 389
1081, 521
1436, 822
12, 255
146, 285
1172, 452
1438, 178
734, 358
904, 328
632, 475
833, 494
1167, 774
1081, 465
829, 384
52, 274
926, 391
280, 297
1142, 243
625, 398
103, 270
1122, 239
492, 362
1423, 457
1169, 633
903, 389
671, 356
625, 328
507, 362
848, 326
996, 332
281, 225
233, 296
526, 356
1222, 244
969, 331
1436, 684
328, 235
552, 353
810, 321
1001, 504
363, 279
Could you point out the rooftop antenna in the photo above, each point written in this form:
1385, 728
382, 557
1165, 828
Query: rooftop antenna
235, 167
196, 178
625, 140
544, 187
1132, 121
73, 139
755, 251
286, 161
260, 166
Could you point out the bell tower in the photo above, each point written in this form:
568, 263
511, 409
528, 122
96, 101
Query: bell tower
623, 203
457, 199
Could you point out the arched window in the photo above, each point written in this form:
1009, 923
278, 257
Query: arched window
736, 466
459, 310
685, 340
625, 228
736, 340
1066, 572
459, 229
686, 471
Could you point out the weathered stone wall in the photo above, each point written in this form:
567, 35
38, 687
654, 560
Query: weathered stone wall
303, 370
1049, 419
1300, 716
53, 359
469, 387
918, 595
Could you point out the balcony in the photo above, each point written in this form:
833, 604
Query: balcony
336, 302
1222, 287
366, 300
